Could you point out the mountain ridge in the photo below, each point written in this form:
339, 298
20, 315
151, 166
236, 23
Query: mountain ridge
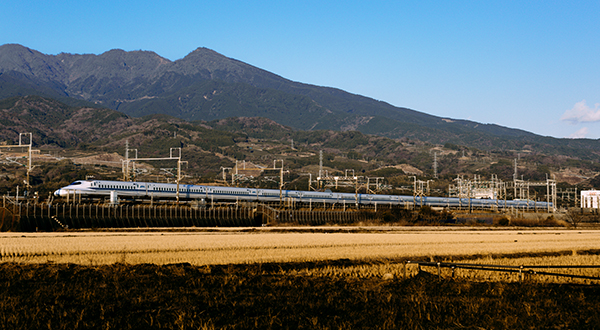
206, 85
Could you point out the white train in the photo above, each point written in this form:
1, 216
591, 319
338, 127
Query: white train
147, 190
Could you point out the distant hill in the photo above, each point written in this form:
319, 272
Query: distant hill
55, 124
210, 146
206, 85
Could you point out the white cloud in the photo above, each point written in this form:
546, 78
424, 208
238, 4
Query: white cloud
582, 113
580, 134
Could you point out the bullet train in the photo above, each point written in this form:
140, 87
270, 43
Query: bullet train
146, 190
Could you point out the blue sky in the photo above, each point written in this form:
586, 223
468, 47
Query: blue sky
532, 65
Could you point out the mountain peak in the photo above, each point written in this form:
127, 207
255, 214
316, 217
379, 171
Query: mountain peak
18, 58
204, 51
204, 56
8, 48
213, 65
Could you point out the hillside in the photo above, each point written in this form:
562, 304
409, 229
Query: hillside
208, 86
77, 142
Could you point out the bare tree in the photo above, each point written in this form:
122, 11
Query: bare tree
575, 216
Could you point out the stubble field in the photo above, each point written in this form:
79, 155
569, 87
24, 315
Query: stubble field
248, 246
295, 278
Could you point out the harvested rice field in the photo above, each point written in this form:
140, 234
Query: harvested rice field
297, 278
269, 245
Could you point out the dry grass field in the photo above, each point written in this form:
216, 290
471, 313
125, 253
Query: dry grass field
295, 278
239, 246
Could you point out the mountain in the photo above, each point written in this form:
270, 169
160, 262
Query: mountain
206, 85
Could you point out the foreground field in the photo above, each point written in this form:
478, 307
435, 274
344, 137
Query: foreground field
289, 245
119, 296
295, 278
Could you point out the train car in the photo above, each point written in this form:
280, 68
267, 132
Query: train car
150, 190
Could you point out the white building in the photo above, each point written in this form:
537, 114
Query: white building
590, 199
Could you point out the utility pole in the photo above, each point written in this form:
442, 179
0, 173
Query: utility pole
320, 164
435, 165
171, 157
126, 170
179, 176
280, 180
29, 167
29, 154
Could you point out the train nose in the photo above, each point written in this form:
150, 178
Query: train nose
57, 193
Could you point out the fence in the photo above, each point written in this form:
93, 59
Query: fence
34, 216
521, 270
317, 217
